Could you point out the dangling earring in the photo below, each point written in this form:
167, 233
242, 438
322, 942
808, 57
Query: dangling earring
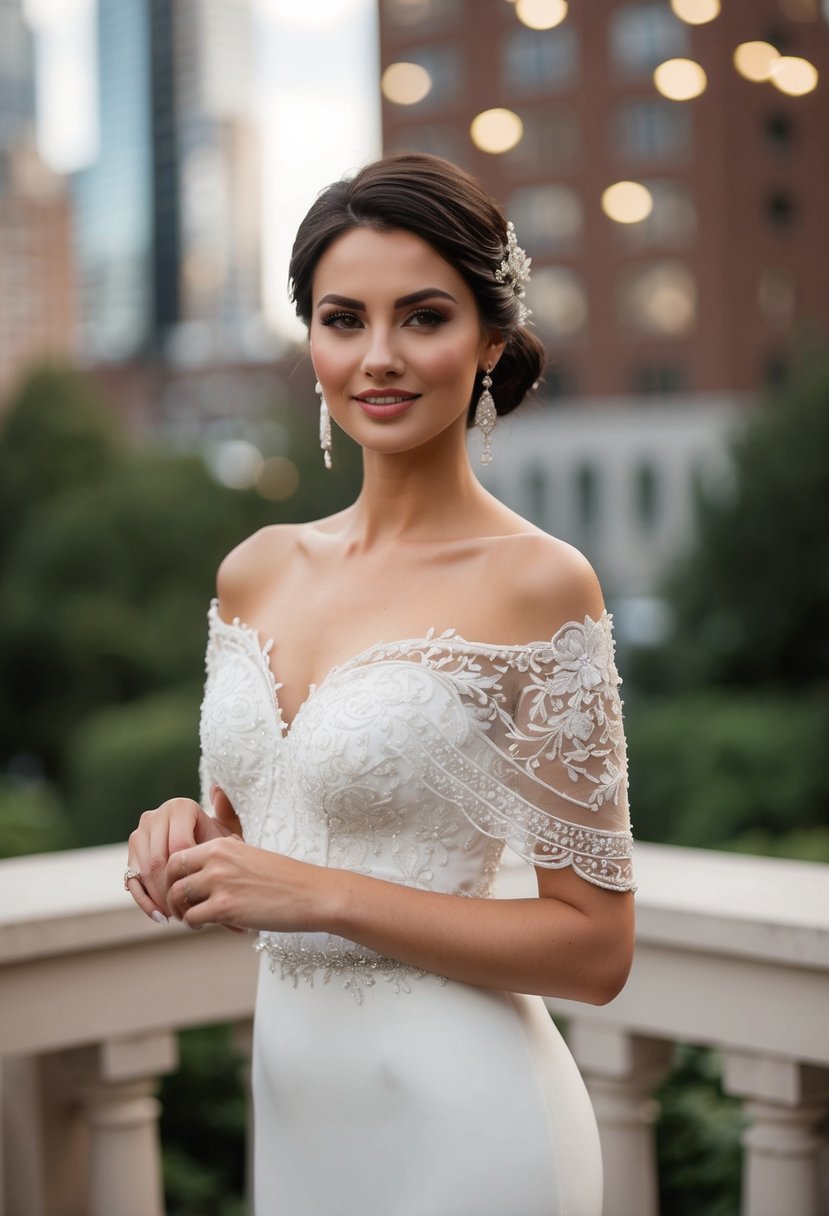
485, 417
325, 427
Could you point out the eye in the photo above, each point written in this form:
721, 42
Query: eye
341, 320
427, 318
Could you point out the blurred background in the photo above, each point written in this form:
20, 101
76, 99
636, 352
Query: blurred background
666, 165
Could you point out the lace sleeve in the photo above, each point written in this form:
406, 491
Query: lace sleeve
559, 758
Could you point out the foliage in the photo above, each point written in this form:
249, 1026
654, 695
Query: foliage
710, 765
148, 745
31, 819
752, 599
203, 1124
698, 1139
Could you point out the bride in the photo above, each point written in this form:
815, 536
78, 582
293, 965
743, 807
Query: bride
392, 694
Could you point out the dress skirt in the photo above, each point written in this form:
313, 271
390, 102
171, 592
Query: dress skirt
443, 1100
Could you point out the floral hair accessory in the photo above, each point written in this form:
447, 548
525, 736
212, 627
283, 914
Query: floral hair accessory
515, 271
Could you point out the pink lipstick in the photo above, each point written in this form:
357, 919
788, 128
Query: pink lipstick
385, 405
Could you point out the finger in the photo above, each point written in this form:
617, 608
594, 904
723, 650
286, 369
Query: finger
187, 893
184, 819
140, 855
135, 888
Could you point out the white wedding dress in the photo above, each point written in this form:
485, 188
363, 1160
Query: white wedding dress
380, 1089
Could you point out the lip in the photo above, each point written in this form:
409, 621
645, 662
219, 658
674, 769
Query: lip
385, 405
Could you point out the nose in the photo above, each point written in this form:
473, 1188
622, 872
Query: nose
382, 357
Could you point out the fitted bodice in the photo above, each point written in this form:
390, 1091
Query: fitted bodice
416, 760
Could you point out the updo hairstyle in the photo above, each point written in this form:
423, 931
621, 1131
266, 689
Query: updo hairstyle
450, 210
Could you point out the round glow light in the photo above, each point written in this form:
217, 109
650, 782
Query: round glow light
696, 12
277, 479
405, 83
627, 202
680, 79
235, 463
755, 60
794, 76
496, 130
541, 14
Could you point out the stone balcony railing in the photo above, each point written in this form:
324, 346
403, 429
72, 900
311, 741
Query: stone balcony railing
731, 951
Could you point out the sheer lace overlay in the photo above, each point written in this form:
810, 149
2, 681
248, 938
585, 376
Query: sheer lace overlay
416, 760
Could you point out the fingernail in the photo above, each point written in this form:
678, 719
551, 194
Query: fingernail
159, 918
214, 789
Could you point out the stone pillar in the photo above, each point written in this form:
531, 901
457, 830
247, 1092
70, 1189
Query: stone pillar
784, 1102
621, 1071
116, 1083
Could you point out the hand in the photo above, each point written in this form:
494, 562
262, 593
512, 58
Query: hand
179, 823
231, 883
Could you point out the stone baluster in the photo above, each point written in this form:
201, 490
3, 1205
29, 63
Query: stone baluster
116, 1083
784, 1102
621, 1071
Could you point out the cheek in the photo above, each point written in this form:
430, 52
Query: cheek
331, 360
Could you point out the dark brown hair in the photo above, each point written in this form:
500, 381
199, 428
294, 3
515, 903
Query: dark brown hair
449, 209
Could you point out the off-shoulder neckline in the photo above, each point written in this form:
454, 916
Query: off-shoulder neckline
449, 637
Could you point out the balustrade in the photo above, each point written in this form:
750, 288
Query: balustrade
732, 952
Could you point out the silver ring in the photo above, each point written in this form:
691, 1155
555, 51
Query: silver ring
128, 874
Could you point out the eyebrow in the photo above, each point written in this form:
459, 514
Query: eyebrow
416, 297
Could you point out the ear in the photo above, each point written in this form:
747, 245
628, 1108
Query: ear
492, 349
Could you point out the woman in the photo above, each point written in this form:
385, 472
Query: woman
363, 786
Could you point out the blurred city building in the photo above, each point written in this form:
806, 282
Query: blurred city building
703, 292
37, 315
168, 217
673, 195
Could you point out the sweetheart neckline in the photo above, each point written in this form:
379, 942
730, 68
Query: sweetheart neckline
238, 626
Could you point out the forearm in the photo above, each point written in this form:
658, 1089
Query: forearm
544, 945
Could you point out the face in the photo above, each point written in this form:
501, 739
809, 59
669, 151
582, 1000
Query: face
396, 339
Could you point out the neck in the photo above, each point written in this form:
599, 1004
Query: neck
428, 494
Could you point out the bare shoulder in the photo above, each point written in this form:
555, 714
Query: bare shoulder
550, 583
239, 581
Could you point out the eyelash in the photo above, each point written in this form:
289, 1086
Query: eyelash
432, 316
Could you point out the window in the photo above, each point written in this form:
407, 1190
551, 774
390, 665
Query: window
444, 65
540, 60
672, 222
658, 298
778, 132
587, 495
422, 15
549, 218
550, 143
558, 301
780, 210
777, 297
651, 128
658, 379
537, 495
642, 36
436, 139
646, 496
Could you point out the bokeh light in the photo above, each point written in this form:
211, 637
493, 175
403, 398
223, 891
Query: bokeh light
541, 14
277, 479
235, 463
696, 12
496, 130
405, 83
627, 202
794, 76
755, 60
680, 79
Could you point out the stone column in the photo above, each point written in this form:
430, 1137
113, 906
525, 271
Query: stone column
621, 1071
784, 1102
116, 1083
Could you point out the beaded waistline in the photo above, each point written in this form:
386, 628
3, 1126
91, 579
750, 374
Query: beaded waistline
297, 958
